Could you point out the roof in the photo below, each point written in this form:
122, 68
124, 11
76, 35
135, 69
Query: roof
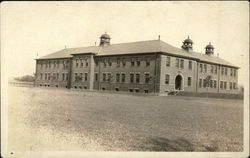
141, 47
105, 36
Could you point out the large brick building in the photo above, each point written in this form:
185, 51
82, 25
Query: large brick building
140, 67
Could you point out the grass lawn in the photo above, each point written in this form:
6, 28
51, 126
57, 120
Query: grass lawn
61, 119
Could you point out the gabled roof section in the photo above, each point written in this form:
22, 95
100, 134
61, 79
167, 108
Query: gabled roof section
151, 46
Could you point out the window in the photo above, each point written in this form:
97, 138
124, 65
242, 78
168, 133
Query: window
41, 64
200, 83
182, 63
41, 76
137, 76
215, 70
225, 71
54, 64
167, 78
76, 63
234, 72
57, 76
81, 76
147, 61
104, 62
81, 62
222, 70
221, 84
205, 68
204, 83
231, 72
189, 81
225, 85
123, 62
190, 64
49, 64
138, 62
231, 85
211, 83
45, 76
117, 77
123, 77
201, 67
67, 76
212, 69
96, 77
96, 62
118, 62
131, 78
117, 89
215, 84
75, 76
57, 63
48, 76
104, 77
109, 62
137, 90
131, 90
86, 76
132, 62
63, 77
177, 62
87, 62
109, 77
234, 85
147, 78
168, 61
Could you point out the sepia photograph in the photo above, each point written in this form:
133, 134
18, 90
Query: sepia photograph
124, 79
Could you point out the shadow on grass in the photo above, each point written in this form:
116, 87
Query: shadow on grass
164, 144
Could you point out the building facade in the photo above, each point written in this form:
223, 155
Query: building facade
138, 67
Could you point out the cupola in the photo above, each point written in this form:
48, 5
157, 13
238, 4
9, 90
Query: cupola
187, 44
104, 39
209, 49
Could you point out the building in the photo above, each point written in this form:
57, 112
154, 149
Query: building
141, 67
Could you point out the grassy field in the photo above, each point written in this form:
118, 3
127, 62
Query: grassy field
59, 119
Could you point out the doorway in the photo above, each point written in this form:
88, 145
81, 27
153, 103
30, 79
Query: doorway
178, 82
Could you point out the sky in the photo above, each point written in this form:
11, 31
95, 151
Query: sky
30, 30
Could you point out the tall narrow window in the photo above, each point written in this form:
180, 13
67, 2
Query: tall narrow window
234, 72
67, 76
147, 61
212, 69
76, 63
63, 77
201, 67
131, 78
211, 83
81, 62
86, 76
132, 62
123, 77
87, 62
117, 77
215, 70
231, 85
200, 83
104, 62
234, 85
46, 76
96, 77
146, 78
204, 83
123, 62
221, 84
137, 78
215, 84
81, 76
104, 77
177, 62
168, 61
189, 81
182, 63
75, 76
118, 62
167, 78
205, 68
225, 85
57, 76
109, 77
41, 76
231, 72
222, 70
138, 62
225, 71
190, 64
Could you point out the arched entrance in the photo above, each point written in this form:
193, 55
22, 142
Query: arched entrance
178, 82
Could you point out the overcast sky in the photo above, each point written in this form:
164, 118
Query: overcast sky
33, 29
